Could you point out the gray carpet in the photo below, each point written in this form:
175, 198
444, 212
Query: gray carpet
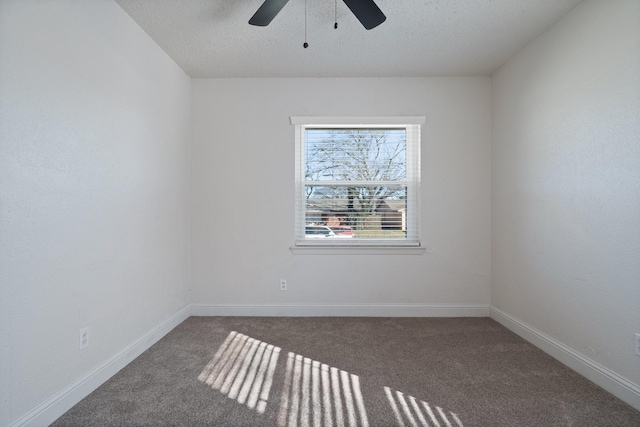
443, 372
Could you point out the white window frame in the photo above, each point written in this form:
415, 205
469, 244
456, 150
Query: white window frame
411, 245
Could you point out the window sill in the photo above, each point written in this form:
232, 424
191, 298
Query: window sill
357, 250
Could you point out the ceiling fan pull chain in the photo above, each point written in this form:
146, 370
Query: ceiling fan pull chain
335, 13
305, 44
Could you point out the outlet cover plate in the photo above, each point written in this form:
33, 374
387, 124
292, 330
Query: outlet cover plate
84, 338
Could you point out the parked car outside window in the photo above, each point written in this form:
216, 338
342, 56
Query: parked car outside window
318, 232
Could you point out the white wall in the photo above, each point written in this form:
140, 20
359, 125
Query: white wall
566, 185
94, 180
243, 195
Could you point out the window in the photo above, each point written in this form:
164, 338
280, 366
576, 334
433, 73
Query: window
357, 181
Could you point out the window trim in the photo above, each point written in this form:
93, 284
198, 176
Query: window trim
357, 250
377, 246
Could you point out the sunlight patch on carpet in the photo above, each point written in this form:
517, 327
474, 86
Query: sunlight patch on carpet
318, 395
242, 369
411, 412
313, 394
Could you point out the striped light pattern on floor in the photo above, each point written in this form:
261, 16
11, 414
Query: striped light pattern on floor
416, 413
317, 395
242, 369
313, 395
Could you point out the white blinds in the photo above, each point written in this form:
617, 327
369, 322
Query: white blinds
357, 181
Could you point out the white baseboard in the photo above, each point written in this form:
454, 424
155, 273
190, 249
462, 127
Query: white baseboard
341, 310
52, 408
619, 386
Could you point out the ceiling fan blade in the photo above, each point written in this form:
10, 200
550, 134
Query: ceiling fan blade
265, 14
367, 12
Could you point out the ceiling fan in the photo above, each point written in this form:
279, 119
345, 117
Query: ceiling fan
367, 12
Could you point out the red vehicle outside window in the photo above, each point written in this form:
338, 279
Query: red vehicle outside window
343, 230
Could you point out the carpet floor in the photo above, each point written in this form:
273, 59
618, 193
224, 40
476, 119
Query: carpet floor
289, 372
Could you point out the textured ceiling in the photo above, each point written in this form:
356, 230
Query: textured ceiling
212, 38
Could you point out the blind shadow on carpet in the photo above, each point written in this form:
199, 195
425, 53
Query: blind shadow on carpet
313, 392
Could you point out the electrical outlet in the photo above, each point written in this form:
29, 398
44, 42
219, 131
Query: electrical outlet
84, 338
638, 344
283, 285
